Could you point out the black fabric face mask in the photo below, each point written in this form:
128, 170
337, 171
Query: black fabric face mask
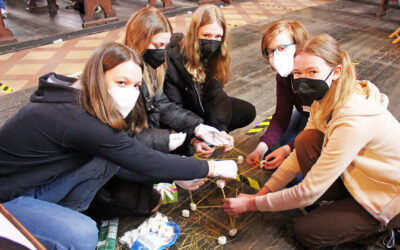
208, 48
311, 89
154, 57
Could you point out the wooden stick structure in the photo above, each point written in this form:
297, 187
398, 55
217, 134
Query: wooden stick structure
198, 208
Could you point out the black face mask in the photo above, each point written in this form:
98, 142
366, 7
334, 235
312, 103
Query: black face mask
208, 48
154, 57
311, 89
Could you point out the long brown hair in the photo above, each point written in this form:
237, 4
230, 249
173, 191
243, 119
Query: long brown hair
341, 89
218, 66
94, 97
139, 31
295, 29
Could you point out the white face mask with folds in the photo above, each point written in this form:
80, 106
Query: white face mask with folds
283, 61
125, 98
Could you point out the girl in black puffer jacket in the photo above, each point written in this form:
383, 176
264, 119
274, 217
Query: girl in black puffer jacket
198, 67
148, 31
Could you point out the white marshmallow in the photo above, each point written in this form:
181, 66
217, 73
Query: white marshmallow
155, 226
185, 213
152, 221
193, 207
164, 219
143, 230
222, 240
158, 216
232, 232
221, 183
262, 163
161, 232
240, 159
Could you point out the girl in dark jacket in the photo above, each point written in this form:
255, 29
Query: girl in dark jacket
61, 149
148, 32
198, 68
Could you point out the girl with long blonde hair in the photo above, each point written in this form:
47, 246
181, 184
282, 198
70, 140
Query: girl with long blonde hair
148, 32
198, 68
349, 153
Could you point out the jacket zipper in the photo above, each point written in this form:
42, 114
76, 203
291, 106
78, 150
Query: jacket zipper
198, 96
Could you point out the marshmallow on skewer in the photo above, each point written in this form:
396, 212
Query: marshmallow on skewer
220, 183
185, 213
193, 206
232, 232
240, 159
222, 240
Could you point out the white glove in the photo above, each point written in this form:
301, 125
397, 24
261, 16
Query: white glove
226, 169
209, 135
262, 148
191, 184
175, 140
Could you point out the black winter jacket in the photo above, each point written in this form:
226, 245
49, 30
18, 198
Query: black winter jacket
52, 135
210, 102
162, 113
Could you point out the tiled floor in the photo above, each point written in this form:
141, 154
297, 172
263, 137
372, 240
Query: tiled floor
21, 69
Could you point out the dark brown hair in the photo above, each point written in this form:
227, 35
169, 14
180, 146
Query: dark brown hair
94, 97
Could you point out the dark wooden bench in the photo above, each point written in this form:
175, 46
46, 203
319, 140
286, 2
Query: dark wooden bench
6, 36
89, 6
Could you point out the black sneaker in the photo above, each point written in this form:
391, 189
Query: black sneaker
390, 240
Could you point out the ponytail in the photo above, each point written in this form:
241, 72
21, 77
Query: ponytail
341, 89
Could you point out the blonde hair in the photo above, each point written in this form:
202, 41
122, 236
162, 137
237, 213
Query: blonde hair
94, 97
218, 66
139, 31
295, 29
341, 89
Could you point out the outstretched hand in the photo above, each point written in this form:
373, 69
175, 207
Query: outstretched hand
241, 204
275, 159
202, 149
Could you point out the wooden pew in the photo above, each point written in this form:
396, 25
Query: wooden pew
90, 7
167, 4
51, 6
383, 7
6, 36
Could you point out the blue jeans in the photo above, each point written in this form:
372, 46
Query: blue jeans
47, 211
297, 124
2, 5
56, 227
76, 189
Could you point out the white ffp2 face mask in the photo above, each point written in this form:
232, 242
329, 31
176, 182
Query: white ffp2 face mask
283, 61
125, 98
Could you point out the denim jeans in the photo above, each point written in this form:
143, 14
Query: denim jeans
297, 123
47, 211
76, 189
56, 227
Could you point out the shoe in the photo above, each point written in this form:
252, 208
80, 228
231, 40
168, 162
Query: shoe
390, 240
4, 13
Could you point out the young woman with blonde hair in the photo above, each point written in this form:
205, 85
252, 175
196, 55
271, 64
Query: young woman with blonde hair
349, 153
74, 138
148, 32
198, 68
278, 45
